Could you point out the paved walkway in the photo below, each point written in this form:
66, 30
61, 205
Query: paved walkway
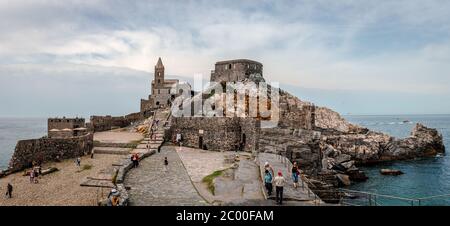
154, 185
302, 194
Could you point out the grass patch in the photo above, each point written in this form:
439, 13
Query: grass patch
208, 180
85, 167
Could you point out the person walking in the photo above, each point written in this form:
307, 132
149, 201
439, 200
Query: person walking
135, 160
9, 190
295, 173
268, 167
166, 164
279, 185
268, 182
178, 139
35, 172
78, 161
31, 174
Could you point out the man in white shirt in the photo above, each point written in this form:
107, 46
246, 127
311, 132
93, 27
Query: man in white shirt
279, 184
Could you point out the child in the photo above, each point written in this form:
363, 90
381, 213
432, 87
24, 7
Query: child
268, 182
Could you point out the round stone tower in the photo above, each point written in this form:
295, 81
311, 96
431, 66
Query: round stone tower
235, 70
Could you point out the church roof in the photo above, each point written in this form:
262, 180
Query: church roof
159, 64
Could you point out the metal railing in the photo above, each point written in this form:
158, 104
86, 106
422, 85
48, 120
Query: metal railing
362, 198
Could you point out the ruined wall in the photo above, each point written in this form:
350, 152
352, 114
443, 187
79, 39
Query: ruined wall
251, 128
49, 149
100, 123
119, 121
217, 133
137, 116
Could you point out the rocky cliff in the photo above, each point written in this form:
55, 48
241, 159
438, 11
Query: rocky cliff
331, 159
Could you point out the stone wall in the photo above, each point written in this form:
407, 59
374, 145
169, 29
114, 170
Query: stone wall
216, 133
49, 149
137, 116
104, 123
100, 123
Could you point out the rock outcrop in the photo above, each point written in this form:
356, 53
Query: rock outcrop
374, 147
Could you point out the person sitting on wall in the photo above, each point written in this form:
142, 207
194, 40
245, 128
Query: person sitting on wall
113, 198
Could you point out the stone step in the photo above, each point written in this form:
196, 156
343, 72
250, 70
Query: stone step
141, 151
111, 150
151, 146
98, 183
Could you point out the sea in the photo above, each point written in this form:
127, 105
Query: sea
422, 179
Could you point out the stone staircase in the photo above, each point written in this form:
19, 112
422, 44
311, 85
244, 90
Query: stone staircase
114, 176
153, 144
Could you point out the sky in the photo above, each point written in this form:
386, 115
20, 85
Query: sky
96, 57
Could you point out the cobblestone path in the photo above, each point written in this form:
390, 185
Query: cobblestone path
154, 185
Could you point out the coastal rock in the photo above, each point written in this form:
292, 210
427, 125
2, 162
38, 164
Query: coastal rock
391, 172
373, 147
344, 179
423, 142
342, 158
357, 175
348, 165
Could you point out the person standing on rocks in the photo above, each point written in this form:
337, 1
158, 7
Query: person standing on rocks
295, 173
9, 190
279, 185
268, 182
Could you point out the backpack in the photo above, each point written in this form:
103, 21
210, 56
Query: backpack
268, 178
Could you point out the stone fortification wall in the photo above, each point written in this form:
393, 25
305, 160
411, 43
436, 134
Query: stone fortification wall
49, 149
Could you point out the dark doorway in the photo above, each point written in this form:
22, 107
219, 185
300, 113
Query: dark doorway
242, 144
200, 142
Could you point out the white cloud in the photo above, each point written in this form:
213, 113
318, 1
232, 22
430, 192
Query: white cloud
308, 43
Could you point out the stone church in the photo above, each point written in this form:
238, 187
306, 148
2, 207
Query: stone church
163, 90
